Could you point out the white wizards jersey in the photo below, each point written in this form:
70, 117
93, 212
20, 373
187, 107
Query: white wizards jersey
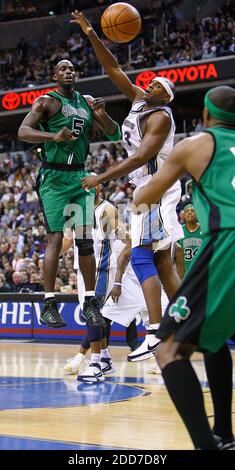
132, 138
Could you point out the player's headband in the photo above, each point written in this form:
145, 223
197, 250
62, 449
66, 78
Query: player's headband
166, 85
216, 112
188, 206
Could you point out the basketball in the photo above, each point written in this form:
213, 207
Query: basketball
121, 22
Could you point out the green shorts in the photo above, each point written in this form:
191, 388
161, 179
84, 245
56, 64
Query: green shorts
202, 311
63, 201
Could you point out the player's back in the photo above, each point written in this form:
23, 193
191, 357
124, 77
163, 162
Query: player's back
214, 195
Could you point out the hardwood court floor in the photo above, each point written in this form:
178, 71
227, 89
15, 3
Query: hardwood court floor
43, 408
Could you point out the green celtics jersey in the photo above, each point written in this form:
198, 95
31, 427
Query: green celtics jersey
76, 115
190, 245
214, 195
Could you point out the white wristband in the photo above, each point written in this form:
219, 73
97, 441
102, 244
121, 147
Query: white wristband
117, 283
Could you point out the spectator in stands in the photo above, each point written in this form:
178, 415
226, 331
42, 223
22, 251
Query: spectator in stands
4, 286
17, 281
199, 126
17, 261
58, 284
118, 195
5, 231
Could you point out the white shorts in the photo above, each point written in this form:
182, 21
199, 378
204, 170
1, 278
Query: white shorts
165, 228
167, 210
146, 228
130, 303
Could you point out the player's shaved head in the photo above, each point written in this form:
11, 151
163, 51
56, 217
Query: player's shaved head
61, 63
223, 97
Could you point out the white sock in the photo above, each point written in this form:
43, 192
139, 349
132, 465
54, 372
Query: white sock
90, 293
153, 326
49, 295
105, 353
95, 358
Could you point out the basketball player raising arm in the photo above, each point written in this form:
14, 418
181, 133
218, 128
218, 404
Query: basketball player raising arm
148, 135
154, 126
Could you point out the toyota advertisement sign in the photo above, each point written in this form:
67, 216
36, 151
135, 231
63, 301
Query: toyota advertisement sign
180, 74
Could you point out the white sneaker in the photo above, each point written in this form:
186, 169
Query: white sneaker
75, 364
107, 366
145, 350
154, 369
92, 373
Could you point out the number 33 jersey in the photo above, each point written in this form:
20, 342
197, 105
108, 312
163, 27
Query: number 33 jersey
76, 115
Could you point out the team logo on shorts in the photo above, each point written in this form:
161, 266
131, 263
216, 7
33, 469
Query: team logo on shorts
179, 309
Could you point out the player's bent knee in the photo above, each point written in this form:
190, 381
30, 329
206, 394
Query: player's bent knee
94, 333
165, 354
170, 351
161, 355
142, 261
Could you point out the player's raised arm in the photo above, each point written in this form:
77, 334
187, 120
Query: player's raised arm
106, 59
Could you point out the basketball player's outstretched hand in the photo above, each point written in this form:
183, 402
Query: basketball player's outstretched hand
89, 182
80, 19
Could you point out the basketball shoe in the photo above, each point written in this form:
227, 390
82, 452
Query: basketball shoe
107, 366
91, 313
145, 350
50, 315
92, 373
225, 444
75, 364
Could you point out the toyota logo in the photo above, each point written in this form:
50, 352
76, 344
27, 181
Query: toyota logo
11, 101
144, 79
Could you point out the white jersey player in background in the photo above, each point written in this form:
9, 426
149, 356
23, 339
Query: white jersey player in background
106, 249
148, 133
103, 234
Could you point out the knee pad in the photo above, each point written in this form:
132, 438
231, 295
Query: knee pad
85, 342
142, 262
94, 333
85, 247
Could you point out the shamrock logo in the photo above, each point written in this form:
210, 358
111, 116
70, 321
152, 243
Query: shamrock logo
179, 309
